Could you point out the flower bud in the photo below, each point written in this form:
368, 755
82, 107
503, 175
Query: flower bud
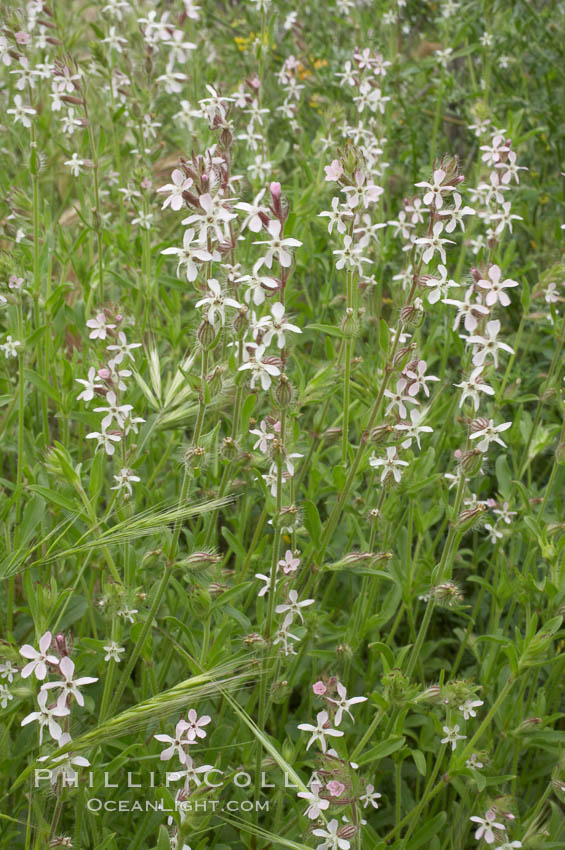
467, 519
241, 320
253, 639
471, 461
199, 602
206, 334
283, 392
447, 592
402, 355
215, 382
349, 324
347, 831
230, 448
280, 692
380, 434
200, 560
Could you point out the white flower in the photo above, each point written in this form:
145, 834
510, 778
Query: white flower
70, 686
261, 369
143, 219
127, 613
418, 378
5, 696
253, 220
473, 386
331, 839
493, 152
343, 703
434, 243
293, 606
370, 796
216, 301
70, 123
175, 189
114, 40
471, 310
256, 285
276, 325
496, 287
474, 761
46, 717
213, 220
505, 514
21, 112
320, 731
124, 479
391, 464
284, 635
456, 214
123, 348
105, 440
277, 246
399, 397
7, 671
264, 437
316, 804
99, 326
413, 429
494, 534
264, 590
176, 745
485, 345
90, 386
113, 652
10, 347
469, 706
75, 164
486, 826
504, 218
440, 286
490, 434
436, 190
190, 251
114, 410
39, 659
350, 255
336, 216
452, 736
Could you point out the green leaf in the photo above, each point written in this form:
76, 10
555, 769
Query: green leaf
385, 748
427, 831
331, 330
312, 521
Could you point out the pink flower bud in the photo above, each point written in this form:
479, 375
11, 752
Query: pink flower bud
146, 183
275, 190
22, 37
319, 689
104, 373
